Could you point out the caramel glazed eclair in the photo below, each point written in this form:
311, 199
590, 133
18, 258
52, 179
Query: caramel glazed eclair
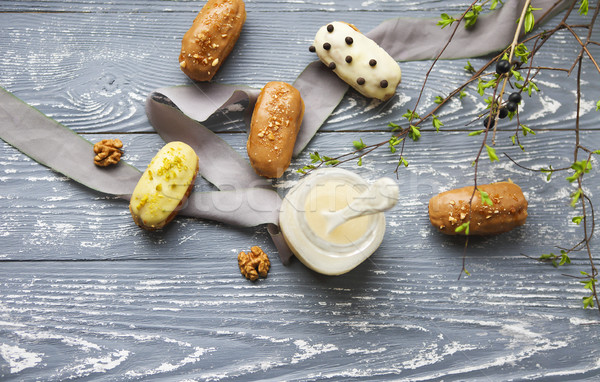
211, 38
357, 60
275, 124
164, 186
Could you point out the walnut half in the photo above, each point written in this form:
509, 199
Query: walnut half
254, 263
108, 151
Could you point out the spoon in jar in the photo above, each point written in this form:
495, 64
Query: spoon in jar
380, 196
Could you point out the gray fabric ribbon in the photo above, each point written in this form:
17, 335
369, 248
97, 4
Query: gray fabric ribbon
244, 198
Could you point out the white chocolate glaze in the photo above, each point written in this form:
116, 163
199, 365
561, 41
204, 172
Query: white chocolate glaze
331, 197
357, 60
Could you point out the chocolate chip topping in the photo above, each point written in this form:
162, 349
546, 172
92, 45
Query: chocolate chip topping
348, 59
383, 84
360, 81
332, 65
312, 49
349, 40
329, 28
373, 62
327, 46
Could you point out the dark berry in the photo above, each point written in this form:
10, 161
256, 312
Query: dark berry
511, 106
502, 66
502, 113
489, 122
515, 97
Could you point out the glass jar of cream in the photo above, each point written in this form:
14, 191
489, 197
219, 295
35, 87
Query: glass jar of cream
332, 194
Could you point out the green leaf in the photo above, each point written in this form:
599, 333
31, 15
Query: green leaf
529, 22
359, 145
414, 133
573, 177
446, 20
410, 115
436, 122
393, 142
531, 86
598, 106
527, 130
575, 197
359, 161
583, 7
394, 126
492, 153
469, 68
577, 219
315, 157
529, 19
589, 284
439, 99
588, 302
580, 167
471, 16
463, 227
564, 259
548, 171
517, 75
478, 132
547, 256
480, 88
489, 84
462, 95
305, 169
495, 4
403, 162
522, 52
485, 198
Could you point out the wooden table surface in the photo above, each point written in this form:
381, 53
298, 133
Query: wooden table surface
86, 295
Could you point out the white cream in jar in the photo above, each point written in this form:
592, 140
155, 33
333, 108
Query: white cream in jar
310, 206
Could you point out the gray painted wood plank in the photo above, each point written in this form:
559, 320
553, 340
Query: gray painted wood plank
177, 319
420, 7
93, 81
47, 216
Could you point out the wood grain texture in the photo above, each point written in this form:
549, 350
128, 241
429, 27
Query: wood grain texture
86, 295
69, 67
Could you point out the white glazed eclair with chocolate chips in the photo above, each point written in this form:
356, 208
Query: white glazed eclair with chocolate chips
357, 60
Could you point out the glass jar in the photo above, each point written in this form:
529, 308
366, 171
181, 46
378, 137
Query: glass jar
303, 219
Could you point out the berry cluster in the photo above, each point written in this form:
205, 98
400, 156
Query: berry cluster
514, 99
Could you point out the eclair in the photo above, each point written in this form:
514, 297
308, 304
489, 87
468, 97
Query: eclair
164, 186
275, 123
211, 38
357, 60
503, 208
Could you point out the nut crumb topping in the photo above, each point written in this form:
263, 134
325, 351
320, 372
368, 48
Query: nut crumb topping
254, 263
